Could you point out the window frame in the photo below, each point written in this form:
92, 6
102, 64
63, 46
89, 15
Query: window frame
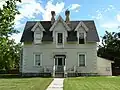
35, 59
79, 59
38, 40
79, 37
60, 45
59, 38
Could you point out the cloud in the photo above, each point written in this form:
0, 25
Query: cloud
28, 9
118, 17
100, 13
98, 16
110, 25
75, 7
58, 7
16, 37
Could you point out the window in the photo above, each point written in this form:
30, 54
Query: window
81, 59
38, 36
37, 59
60, 38
81, 38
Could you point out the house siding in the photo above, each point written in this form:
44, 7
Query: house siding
104, 66
49, 50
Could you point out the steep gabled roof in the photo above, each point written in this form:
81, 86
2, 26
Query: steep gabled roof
60, 19
28, 35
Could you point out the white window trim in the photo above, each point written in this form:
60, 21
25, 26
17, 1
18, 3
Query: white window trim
38, 25
79, 36
40, 58
78, 59
60, 45
36, 32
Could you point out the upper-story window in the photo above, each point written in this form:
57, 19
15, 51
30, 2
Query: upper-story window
38, 36
60, 38
81, 32
81, 39
38, 32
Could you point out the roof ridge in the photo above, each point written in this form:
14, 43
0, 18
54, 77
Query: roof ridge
70, 21
81, 20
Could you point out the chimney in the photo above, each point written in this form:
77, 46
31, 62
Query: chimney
67, 13
53, 17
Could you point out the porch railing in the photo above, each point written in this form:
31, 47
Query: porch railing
59, 68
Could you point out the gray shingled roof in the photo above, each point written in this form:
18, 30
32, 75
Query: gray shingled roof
28, 35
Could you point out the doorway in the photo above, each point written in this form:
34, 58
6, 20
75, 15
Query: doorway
59, 61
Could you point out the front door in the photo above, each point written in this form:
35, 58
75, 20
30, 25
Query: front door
59, 63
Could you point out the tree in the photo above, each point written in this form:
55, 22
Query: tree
9, 50
10, 54
110, 48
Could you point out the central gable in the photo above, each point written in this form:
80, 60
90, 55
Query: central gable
60, 25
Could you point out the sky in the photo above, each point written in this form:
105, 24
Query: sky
105, 13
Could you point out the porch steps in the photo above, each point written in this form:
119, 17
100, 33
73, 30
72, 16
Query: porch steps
59, 74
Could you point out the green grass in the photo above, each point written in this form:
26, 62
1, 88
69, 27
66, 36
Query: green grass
24, 83
92, 83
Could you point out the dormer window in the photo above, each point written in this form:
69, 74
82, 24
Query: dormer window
38, 37
38, 32
81, 32
60, 38
81, 39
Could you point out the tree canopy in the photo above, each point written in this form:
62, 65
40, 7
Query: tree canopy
110, 48
9, 50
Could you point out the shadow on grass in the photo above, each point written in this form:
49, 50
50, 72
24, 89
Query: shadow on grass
16, 76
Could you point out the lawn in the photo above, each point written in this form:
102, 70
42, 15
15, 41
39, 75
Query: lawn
24, 83
92, 83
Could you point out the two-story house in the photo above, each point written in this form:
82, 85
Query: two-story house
59, 47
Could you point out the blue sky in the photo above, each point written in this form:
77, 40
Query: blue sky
105, 13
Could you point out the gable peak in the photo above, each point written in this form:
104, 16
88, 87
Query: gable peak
38, 24
81, 24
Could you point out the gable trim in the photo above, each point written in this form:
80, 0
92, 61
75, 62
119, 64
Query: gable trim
81, 24
35, 26
64, 23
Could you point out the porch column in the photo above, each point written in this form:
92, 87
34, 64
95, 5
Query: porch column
65, 73
54, 68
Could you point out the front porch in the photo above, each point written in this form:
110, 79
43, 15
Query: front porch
59, 68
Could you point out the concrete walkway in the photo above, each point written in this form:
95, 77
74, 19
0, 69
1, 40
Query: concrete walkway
56, 84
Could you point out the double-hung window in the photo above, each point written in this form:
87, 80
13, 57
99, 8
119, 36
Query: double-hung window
60, 38
81, 59
37, 58
38, 37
